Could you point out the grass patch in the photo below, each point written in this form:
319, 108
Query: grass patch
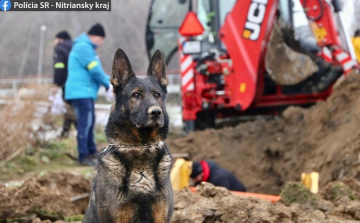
53, 216
15, 219
73, 218
100, 136
55, 150
339, 189
45, 214
297, 193
47, 156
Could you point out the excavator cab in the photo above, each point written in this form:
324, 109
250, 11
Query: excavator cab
164, 20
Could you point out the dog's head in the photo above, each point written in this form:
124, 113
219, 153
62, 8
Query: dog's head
138, 114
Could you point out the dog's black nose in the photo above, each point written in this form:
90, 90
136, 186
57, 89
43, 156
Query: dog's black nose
156, 113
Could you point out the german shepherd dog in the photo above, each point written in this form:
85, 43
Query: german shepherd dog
133, 180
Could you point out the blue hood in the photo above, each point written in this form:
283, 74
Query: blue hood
84, 38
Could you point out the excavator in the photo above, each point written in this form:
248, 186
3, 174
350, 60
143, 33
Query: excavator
243, 58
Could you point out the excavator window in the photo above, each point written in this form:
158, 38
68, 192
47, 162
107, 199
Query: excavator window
204, 13
224, 8
166, 16
164, 19
212, 14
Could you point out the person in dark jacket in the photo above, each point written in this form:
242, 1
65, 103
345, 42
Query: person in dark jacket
63, 45
86, 75
209, 171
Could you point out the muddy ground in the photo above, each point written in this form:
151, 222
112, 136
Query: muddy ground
48, 199
265, 154
339, 202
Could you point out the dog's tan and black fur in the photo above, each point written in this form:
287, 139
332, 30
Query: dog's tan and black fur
133, 180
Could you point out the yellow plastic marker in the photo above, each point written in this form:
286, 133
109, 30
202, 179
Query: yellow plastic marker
311, 181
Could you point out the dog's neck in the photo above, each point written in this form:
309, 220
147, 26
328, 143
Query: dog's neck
134, 136
121, 143
160, 144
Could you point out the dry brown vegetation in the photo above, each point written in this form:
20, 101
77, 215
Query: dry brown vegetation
24, 120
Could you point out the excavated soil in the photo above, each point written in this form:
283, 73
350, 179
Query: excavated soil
214, 204
47, 197
46, 200
265, 154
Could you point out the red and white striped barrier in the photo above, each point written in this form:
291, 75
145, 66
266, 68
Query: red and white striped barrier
186, 69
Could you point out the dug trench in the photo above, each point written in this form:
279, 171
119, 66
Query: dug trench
265, 154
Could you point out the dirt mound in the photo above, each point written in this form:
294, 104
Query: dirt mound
47, 197
265, 154
349, 188
214, 204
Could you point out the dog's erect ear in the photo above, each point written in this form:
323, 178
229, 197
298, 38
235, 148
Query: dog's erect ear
157, 68
121, 70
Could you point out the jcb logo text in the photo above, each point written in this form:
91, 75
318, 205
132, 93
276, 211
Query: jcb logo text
255, 17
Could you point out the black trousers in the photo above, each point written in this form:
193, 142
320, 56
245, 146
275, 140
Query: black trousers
69, 117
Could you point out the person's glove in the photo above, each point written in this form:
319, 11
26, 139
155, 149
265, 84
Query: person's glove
58, 105
109, 94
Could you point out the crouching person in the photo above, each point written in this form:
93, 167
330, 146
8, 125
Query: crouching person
208, 171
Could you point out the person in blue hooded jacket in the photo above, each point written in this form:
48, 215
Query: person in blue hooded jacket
85, 76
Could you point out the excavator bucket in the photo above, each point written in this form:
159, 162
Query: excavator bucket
285, 65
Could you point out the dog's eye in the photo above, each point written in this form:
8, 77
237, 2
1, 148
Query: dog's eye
136, 95
156, 95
